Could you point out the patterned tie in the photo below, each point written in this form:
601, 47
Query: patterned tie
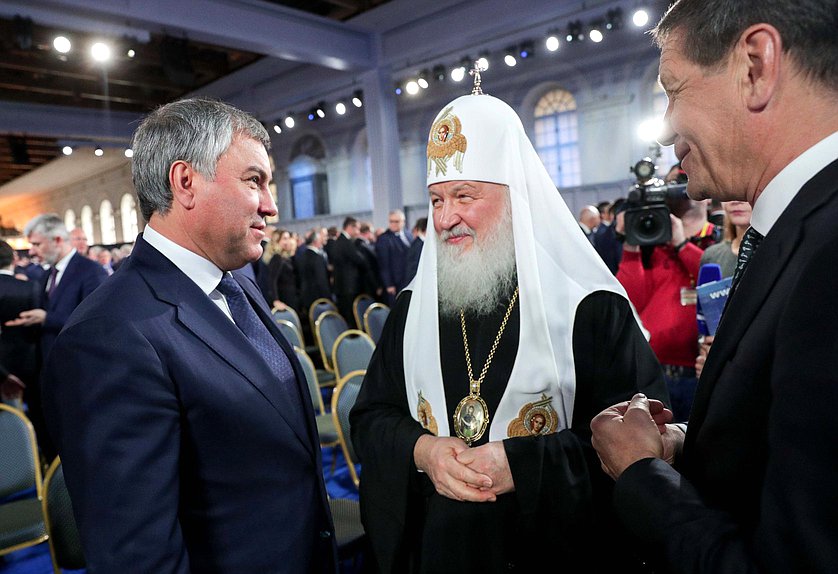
260, 337
53, 275
750, 242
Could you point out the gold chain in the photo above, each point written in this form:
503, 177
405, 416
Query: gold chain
494, 345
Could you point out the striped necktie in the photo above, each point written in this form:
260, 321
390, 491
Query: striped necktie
750, 242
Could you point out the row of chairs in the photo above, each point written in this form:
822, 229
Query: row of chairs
46, 512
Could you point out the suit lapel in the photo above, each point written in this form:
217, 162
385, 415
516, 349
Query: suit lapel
67, 278
763, 271
197, 313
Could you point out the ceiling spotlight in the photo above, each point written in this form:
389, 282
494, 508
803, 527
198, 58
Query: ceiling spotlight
482, 63
131, 53
312, 114
357, 98
526, 50
439, 73
510, 60
277, 128
595, 34
398, 90
289, 122
457, 74
423, 79
320, 111
574, 31
340, 108
640, 18
552, 42
129, 153
614, 19
61, 44
412, 87
100, 52
98, 152
67, 150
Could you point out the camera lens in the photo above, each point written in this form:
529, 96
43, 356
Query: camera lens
648, 226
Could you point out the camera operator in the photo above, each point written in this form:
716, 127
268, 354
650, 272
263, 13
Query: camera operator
660, 282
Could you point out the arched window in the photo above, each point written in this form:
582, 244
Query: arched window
87, 222
106, 221
130, 223
70, 219
557, 137
307, 173
659, 103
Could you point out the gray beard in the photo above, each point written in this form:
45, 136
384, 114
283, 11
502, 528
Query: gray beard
477, 280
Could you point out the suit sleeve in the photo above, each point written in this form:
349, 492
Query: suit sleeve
117, 427
88, 279
383, 250
795, 528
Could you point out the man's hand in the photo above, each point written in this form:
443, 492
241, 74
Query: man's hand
626, 433
490, 459
703, 350
678, 236
391, 291
437, 457
28, 318
673, 442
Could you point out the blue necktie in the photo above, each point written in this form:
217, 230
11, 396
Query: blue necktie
750, 242
260, 337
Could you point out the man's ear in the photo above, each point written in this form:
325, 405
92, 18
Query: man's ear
762, 45
182, 182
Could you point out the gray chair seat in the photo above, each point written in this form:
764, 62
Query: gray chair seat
326, 428
21, 521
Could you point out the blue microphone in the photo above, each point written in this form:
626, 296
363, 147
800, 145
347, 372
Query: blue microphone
708, 273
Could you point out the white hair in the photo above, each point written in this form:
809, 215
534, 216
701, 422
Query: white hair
475, 281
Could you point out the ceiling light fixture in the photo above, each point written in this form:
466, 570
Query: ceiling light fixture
100, 51
61, 44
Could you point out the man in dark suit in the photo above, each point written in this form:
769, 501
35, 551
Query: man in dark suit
391, 249
415, 251
350, 268
366, 244
753, 115
314, 274
180, 412
17, 344
71, 278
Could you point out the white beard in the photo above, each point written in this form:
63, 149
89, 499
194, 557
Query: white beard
477, 280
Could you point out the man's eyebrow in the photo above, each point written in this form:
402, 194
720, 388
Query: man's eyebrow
262, 173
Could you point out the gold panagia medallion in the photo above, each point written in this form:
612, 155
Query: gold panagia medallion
471, 418
536, 418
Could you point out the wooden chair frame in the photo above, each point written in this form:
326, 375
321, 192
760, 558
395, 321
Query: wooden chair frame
367, 317
39, 485
341, 337
338, 389
359, 319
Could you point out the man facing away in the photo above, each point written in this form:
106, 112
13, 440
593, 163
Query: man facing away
180, 412
512, 320
753, 116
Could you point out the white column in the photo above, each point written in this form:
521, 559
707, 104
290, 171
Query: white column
383, 144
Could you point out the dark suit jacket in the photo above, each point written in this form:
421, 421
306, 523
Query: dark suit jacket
174, 434
17, 344
392, 260
413, 255
606, 244
78, 281
314, 278
372, 275
350, 267
757, 490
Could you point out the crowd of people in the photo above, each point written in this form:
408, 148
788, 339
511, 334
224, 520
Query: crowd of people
539, 396
294, 270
